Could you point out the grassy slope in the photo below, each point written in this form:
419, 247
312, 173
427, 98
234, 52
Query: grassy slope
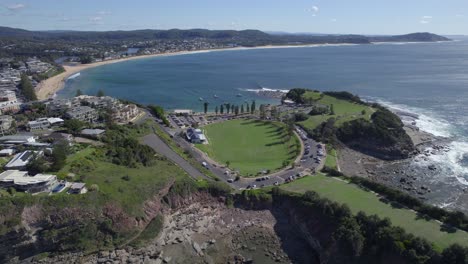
143, 181
330, 160
344, 110
249, 146
360, 200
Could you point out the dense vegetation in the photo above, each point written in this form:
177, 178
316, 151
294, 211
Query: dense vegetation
361, 238
454, 219
158, 111
27, 89
383, 136
125, 150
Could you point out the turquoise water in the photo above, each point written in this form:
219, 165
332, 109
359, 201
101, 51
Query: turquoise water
430, 79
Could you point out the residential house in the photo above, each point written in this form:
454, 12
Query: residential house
21, 181
83, 113
5, 122
17, 139
44, 123
93, 133
21, 160
78, 188
8, 101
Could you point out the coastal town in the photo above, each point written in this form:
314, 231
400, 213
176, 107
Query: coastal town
312, 176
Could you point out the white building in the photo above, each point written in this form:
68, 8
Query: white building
44, 123
195, 136
21, 181
17, 139
21, 160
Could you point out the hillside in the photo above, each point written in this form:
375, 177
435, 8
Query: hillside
243, 35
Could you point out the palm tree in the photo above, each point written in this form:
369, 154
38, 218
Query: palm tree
205, 107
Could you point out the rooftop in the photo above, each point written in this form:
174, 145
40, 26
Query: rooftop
22, 178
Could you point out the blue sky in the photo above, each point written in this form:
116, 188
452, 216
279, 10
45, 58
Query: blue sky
320, 16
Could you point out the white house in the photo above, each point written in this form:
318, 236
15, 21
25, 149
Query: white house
21, 181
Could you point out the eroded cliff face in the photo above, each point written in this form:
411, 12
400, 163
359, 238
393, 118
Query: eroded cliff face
43, 228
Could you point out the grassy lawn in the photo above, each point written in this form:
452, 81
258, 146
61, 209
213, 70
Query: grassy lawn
330, 161
360, 200
250, 146
344, 110
112, 181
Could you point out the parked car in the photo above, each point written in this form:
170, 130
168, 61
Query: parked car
230, 180
205, 164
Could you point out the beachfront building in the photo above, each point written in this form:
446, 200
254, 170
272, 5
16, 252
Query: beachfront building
78, 188
44, 123
21, 181
58, 106
83, 113
17, 139
195, 136
8, 102
21, 160
124, 114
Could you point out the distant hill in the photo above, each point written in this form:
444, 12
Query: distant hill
243, 37
414, 37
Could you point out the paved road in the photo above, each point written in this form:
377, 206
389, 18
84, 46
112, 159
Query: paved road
162, 148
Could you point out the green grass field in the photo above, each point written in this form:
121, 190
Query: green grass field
330, 161
112, 180
360, 200
344, 110
250, 146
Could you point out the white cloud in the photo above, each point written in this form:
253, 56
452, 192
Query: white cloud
103, 13
96, 18
425, 19
333, 20
313, 9
15, 7
459, 15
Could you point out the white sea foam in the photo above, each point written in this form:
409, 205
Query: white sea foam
450, 161
74, 76
426, 120
264, 89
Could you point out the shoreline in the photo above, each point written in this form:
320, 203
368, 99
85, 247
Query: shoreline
47, 88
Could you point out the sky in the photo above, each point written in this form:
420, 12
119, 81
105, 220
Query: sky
447, 17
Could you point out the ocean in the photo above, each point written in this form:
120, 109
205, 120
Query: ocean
428, 79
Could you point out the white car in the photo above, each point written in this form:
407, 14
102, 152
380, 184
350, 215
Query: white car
205, 164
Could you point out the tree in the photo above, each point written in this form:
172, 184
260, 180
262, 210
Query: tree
205, 107
236, 110
228, 108
332, 110
74, 125
242, 109
216, 110
59, 155
100, 93
228, 163
252, 107
37, 165
248, 108
221, 109
78, 92
262, 111
27, 89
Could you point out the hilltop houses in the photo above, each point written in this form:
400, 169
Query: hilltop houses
21, 181
82, 113
8, 102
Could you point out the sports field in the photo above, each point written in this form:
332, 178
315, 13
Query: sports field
358, 199
250, 146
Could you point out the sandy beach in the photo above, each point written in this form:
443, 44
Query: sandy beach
47, 88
